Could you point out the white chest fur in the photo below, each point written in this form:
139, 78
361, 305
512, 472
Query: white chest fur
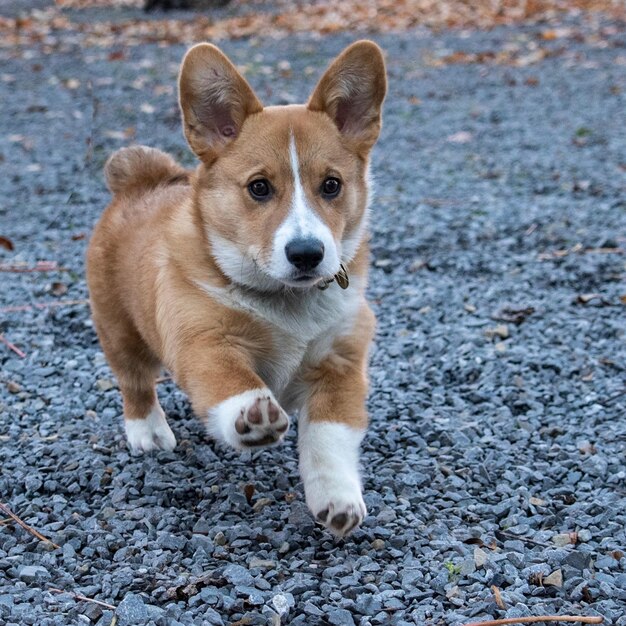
303, 324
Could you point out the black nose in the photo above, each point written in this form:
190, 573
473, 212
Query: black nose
305, 254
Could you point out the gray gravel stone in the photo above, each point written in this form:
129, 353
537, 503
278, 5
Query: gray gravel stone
579, 560
31, 573
340, 617
6, 600
131, 610
237, 575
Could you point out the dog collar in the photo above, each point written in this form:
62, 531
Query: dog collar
341, 277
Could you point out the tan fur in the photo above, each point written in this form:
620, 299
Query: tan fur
138, 169
266, 138
356, 79
159, 296
338, 385
215, 100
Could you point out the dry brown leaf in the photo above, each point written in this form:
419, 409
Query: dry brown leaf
58, 289
248, 491
116, 55
54, 29
6, 243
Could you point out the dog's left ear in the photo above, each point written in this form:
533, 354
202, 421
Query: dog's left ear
352, 91
215, 100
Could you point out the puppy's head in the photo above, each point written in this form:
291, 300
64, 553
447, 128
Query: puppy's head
282, 191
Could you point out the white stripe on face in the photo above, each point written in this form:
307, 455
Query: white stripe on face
302, 223
306, 221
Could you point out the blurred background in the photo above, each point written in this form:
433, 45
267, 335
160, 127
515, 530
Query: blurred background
130, 22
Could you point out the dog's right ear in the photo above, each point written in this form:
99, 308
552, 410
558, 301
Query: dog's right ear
215, 99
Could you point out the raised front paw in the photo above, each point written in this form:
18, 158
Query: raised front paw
338, 506
252, 419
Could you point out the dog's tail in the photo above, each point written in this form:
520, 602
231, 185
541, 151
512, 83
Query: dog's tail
139, 169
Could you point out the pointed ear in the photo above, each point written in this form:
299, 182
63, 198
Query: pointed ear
215, 100
352, 91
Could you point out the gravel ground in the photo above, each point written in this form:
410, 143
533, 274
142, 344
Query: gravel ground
496, 451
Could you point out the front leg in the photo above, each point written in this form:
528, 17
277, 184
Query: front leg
332, 426
329, 466
226, 393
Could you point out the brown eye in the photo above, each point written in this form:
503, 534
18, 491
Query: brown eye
260, 189
331, 187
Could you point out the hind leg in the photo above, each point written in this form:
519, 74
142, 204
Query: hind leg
136, 369
144, 420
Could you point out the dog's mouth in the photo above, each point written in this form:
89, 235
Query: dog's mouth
302, 280
323, 282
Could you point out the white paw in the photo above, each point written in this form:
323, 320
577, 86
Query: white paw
251, 419
150, 433
337, 505
329, 465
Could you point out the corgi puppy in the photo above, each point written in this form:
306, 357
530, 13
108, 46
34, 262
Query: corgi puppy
246, 277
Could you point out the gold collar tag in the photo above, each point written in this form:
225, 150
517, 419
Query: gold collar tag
341, 277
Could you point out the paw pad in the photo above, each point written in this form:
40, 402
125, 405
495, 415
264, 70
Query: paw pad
262, 422
341, 517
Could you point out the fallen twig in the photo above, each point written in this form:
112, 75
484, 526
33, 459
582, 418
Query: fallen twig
41, 266
606, 401
540, 618
12, 346
613, 397
7, 511
558, 254
41, 305
498, 597
525, 539
78, 596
